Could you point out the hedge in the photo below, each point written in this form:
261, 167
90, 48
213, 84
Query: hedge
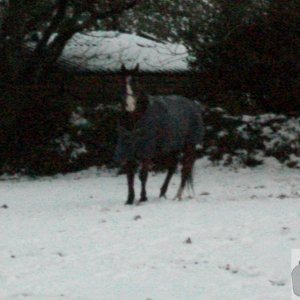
90, 135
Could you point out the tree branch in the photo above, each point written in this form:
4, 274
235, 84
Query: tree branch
73, 27
98, 15
118, 9
61, 8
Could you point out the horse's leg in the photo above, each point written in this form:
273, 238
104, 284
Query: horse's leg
143, 178
130, 170
171, 170
187, 166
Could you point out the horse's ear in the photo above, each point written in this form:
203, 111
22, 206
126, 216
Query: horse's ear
137, 68
123, 68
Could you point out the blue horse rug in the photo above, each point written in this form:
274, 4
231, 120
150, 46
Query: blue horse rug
168, 124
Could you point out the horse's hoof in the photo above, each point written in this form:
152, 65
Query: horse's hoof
162, 195
128, 202
143, 199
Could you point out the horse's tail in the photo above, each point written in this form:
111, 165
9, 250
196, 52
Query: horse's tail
190, 181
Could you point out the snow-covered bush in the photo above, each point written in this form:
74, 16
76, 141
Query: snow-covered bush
93, 135
32, 118
88, 138
229, 140
248, 140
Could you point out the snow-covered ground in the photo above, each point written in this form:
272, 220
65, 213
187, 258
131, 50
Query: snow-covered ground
71, 237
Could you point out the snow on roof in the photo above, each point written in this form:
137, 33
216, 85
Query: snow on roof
108, 50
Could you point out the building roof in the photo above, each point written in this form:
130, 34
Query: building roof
106, 51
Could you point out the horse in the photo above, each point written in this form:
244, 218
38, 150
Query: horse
156, 129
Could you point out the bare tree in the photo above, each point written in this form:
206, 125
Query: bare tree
33, 35
52, 23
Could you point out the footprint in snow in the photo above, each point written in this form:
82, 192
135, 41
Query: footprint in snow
188, 241
248, 271
260, 187
277, 282
282, 196
229, 268
285, 230
204, 194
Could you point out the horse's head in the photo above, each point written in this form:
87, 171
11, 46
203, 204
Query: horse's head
134, 105
134, 99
